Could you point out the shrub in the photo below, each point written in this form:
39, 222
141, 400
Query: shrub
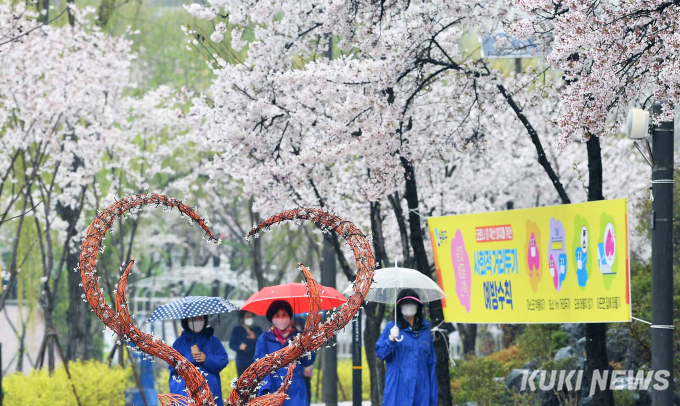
560, 339
526, 399
163, 381
473, 380
96, 384
227, 375
541, 341
510, 358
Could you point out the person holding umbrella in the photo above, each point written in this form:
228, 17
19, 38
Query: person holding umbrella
280, 314
243, 338
407, 346
198, 345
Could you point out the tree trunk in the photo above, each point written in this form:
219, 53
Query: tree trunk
71, 16
216, 288
330, 355
441, 342
40, 6
79, 340
256, 250
374, 314
227, 290
510, 333
13, 266
379, 253
395, 202
49, 327
22, 349
106, 8
468, 335
376, 367
596, 333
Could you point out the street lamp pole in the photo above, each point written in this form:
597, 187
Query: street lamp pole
356, 361
661, 223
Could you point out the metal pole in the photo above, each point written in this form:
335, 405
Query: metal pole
356, 361
662, 262
329, 383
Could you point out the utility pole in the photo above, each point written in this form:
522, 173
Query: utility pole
330, 355
356, 360
661, 223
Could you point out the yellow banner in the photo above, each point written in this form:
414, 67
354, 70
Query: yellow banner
560, 264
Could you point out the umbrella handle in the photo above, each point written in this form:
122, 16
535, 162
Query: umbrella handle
400, 339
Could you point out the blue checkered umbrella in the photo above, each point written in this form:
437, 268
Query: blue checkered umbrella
191, 306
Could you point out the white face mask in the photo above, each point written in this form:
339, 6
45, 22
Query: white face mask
409, 310
248, 322
281, 323
197, 325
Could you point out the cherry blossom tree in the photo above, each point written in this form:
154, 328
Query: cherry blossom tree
404, 102
62, 103
614, 55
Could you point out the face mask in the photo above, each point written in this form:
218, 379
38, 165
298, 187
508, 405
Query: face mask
409, 310
281, 323
248, 322
196, 326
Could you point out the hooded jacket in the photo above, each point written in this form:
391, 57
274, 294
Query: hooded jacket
411, 376
216, 359
266, 344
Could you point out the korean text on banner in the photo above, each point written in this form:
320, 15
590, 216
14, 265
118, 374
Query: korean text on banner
559, 264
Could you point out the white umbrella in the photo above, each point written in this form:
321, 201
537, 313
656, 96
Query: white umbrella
388, 282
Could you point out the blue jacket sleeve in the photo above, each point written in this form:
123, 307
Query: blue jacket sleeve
236, 338
384, 347
218, 359
432, 365
261, 351
307, 361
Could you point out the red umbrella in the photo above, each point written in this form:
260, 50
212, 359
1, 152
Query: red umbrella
295, 294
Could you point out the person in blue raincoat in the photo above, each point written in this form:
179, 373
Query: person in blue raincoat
199, 346
408, 350
280, 314
243, 339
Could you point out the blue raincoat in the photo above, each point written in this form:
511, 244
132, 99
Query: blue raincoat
266, 344
411, 376
216, 360
244, 358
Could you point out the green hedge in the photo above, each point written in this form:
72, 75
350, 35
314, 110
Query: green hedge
96, 384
